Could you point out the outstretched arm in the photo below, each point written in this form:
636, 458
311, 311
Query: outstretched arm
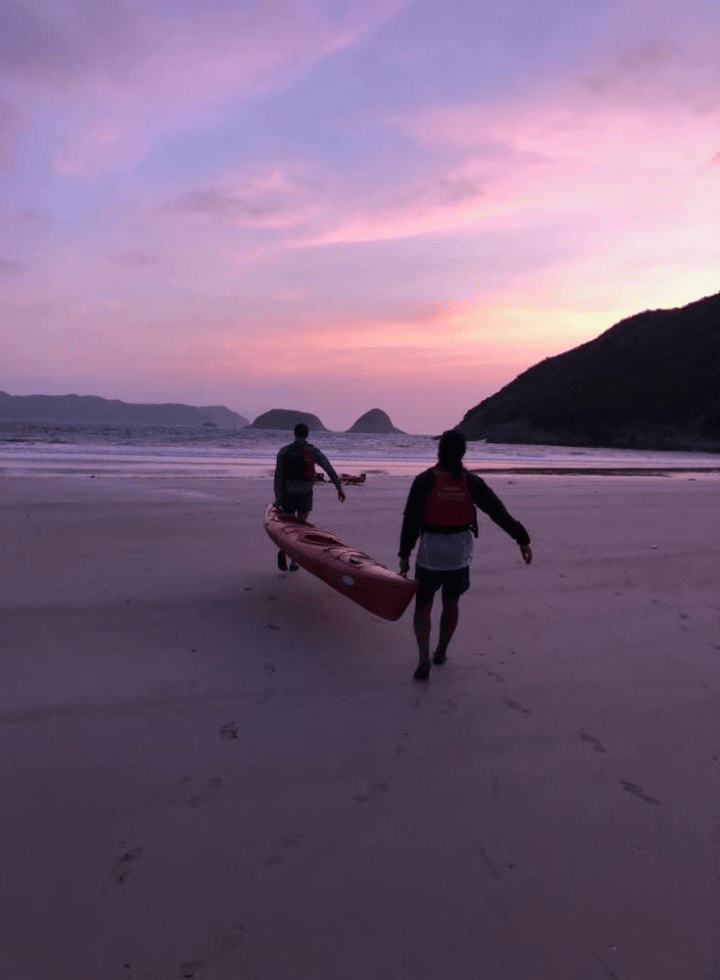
490, 504
325, 464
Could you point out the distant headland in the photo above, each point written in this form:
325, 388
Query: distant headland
649, 382
91, 408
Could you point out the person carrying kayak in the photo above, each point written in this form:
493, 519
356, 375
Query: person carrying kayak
440, 511
294, 478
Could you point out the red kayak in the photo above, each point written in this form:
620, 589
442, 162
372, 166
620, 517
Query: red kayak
352, 572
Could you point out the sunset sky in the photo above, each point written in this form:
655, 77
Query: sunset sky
335, 206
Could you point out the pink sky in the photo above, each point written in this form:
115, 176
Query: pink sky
334, 207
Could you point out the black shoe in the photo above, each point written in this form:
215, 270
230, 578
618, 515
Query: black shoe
282, 561
294, 566
439, 658
423, 671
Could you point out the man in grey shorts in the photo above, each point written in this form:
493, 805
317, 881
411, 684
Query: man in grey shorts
294, 478
440, 511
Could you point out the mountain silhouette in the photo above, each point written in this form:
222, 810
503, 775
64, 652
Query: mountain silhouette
376, 422
92, 408
287, 418
652, 381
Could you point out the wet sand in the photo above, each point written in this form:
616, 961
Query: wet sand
213, 770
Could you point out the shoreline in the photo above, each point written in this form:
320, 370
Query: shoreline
610, 470
204, 468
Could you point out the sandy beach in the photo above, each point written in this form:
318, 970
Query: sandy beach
212, 770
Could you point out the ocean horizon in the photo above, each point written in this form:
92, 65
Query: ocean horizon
86, 449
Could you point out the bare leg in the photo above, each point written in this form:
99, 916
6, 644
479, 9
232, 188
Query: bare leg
282, 557
303, 515
448, 622
422, 624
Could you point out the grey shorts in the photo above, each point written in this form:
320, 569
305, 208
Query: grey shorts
296, 503
453, 583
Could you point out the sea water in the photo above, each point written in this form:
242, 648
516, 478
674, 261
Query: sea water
83, 449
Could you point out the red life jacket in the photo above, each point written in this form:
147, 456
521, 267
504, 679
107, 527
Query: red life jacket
300, 463
309, 460
449, 505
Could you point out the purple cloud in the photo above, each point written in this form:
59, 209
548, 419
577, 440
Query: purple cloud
136, 259
9, 267
238, 206
137, 74
9, 134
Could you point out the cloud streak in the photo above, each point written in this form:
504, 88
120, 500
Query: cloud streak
136, 260
9, 267
123, 77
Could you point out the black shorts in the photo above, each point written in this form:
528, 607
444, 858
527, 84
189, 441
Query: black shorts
452, 583
296, 503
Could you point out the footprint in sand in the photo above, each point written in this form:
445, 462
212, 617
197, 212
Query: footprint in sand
498, 678
377, 787
267, 695
228, 731
401, 745
638, 791
224, 944
487, 862
286, 845
124, 865
595, 742
211, 788
518, 707
609, 972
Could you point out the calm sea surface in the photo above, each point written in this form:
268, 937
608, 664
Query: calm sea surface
81, 449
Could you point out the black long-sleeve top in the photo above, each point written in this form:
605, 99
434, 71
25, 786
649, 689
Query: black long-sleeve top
281, 481
483, 497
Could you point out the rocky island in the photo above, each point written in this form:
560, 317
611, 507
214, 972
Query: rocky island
375, 422
287, 419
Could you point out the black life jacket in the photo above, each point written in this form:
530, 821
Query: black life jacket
299, 462
449, 506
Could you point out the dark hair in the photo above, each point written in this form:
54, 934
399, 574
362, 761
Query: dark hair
451, 450
301, 431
